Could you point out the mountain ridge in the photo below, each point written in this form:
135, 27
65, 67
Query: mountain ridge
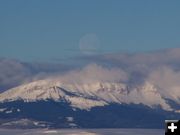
53, 104
89, 95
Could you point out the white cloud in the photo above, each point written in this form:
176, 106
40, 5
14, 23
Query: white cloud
95, 73
167, 81
161, 69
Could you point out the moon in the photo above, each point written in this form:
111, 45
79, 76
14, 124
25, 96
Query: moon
89, 44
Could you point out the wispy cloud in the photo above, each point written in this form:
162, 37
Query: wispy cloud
14, 72
160, 68
167, 81
95, 73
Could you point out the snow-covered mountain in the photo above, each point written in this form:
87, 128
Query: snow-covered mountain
87, 104
86, 96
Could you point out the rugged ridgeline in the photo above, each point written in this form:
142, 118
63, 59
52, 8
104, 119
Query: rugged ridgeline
51, 103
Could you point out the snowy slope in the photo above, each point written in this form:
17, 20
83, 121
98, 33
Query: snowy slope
86, 96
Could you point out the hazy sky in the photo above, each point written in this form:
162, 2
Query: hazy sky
57, 29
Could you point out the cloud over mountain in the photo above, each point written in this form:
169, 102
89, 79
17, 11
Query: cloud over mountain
95, 73
14, 72
160, 68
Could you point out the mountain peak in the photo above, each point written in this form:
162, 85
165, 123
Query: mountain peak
87, 95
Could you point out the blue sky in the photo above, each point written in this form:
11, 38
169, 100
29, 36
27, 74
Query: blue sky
46, 30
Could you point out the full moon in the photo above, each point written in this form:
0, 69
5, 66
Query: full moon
89, 44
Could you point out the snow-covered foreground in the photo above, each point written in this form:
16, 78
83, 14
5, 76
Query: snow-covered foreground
83, 132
